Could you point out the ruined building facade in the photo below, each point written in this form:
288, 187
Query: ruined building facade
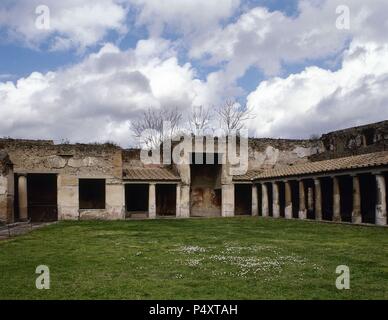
341, 176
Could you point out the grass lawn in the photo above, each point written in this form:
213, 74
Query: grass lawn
236, 258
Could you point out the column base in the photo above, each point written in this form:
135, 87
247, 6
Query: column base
288, 212
381, 219
337, 219
276, 211
302, 214
356, 218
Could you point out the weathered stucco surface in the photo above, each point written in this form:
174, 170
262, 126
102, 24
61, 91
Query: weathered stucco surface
359, 140
272, 153
72, 162
6, 188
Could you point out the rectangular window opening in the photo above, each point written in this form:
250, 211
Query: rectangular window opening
92, 193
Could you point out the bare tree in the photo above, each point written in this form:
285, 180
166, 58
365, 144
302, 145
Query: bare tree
149, 127
199, 120
232, 116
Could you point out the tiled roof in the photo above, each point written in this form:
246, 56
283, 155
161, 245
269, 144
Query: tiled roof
248, 176
150, 174
354, 162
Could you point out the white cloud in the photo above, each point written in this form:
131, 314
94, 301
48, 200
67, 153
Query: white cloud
96, 99
318, 100
73, 23
183, 17
83, 23
268, 40
110, 87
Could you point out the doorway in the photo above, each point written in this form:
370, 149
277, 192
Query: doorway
42, 197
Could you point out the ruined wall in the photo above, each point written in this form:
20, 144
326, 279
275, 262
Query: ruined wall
358, 140
272, 153
71, 162
131, 159
6, 188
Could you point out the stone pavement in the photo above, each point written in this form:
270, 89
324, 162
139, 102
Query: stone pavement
20, 229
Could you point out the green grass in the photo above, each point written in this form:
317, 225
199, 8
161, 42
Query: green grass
236, 258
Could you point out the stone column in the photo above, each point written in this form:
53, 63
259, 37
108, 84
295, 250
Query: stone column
185, 201
288, 198
22, 193
336, 200
275, 200
178, 201
381, 204
356, 212
264, 200
227, 200
255, 201
152, 201
302, 201
318, 199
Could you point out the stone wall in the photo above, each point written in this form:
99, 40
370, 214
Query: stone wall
272, 153
358, 140
71, 162
131, 158
6, 188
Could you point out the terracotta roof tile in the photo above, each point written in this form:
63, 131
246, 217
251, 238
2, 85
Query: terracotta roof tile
248, 176
150, 174
354, 162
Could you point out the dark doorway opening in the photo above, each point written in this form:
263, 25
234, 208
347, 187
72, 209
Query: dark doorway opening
166, 200
136, 198
346, 190
243, 199
295, 198
282, 199
16, 198
270, 199
327, 198
260, 199
205, 193
368, 198
92, 194
42, 197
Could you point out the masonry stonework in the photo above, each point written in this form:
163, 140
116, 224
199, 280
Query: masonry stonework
287, 178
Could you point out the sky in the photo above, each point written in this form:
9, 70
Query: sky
82, 70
